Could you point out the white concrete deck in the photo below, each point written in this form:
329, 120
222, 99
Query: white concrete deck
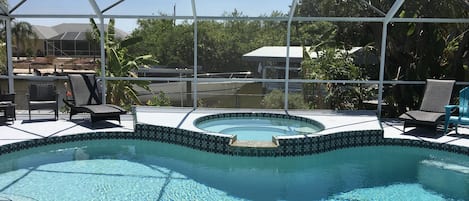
23, 129
333, 121
41, 125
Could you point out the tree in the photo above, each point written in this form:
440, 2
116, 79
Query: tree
414, 51
333, 64
417, 51
119, 63
171, 44
22, 33
221, 44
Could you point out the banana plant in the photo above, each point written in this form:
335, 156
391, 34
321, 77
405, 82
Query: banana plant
119, 63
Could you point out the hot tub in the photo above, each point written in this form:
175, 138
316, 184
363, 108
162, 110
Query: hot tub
258, 126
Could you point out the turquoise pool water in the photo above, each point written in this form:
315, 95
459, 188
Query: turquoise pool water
145, 170
258, 128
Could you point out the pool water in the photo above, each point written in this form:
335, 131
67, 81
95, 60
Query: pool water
145, 170
258, 128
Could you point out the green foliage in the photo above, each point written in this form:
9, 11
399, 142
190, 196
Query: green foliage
414, 51
172, 44
120, 63
417, 51
22, 35
276, 100
318, 35
159, 100
335, 65
221, 44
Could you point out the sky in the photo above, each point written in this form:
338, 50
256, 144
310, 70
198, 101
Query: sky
252, 8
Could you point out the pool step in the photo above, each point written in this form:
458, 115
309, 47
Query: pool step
444, 177
447, 166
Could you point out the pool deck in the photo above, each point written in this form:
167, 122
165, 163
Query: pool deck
40, 127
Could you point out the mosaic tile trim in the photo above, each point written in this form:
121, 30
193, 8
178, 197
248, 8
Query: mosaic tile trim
221, 144
287, 147
257, 114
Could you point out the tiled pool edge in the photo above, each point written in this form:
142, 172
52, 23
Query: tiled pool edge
258, 114
221, 144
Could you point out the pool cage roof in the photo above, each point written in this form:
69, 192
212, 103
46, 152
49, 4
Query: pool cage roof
198, 10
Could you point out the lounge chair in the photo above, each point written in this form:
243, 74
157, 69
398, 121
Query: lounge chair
432, 109
86, 99
463, 111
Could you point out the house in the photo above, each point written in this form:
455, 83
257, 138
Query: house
66, 40
271, 62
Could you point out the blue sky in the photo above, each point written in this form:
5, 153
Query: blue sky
252, 8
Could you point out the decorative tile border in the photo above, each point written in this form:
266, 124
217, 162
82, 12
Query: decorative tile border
221, 144
258, 114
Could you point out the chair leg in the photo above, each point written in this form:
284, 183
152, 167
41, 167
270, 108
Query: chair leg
446, 128
29, 112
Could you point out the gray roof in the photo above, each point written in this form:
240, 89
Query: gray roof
72, 27
70, 36
69, 31
44, 32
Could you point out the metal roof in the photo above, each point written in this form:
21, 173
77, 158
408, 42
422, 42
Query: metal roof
279, 54
70, 36
69, 31
44, 32
275, 53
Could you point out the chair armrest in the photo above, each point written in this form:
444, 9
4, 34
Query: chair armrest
448, 110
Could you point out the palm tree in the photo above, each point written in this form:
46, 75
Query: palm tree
22, 32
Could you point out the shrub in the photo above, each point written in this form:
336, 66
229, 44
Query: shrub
159, 100
275, 100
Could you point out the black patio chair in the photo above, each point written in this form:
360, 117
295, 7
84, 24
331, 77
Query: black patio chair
43, 96
432, 108
86, 99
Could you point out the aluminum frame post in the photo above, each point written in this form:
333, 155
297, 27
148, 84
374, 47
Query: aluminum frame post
287, 62
392, 11
102, 48
195, 81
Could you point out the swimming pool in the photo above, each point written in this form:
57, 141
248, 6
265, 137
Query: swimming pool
145, 170
258, 126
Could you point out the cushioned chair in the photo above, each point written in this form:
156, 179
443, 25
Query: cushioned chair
43, 96
432, 109
86, 99
7, 107
462, 110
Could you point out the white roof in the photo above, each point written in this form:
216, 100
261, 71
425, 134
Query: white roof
279, 54
275, 53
